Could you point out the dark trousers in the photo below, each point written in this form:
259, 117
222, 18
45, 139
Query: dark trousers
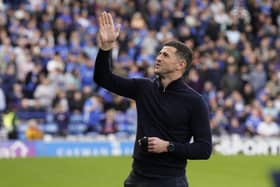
135, 180
276, 178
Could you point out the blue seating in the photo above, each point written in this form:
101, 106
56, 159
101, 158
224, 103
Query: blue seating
50, 128
77, 128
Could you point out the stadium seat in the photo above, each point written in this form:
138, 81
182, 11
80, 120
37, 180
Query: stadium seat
50, 128
77, 128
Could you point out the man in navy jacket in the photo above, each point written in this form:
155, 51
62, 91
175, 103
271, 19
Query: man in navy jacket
169, 112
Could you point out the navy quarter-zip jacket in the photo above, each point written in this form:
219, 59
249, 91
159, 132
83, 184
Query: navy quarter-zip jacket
175, 114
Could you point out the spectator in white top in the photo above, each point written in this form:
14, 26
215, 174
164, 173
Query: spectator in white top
268, 127
45, 92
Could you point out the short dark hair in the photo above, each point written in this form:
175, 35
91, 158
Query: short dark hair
183, 51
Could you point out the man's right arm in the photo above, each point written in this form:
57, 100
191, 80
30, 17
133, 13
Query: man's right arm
104, 77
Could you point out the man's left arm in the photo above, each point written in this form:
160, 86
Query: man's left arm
200, 148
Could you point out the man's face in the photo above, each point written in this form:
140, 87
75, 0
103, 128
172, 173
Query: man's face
166, 61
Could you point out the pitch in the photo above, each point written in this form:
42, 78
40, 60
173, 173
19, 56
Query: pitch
219, 171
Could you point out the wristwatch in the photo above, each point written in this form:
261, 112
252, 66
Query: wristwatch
171, 147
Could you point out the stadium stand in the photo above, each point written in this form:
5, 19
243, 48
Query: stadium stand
48, 49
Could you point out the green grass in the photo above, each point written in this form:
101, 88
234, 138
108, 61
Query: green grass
219, 171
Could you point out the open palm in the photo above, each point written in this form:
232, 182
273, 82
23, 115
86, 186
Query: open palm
108, 33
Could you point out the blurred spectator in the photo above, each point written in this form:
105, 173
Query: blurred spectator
268, 127
76, 103
16, 95
235, 127
87, 92
137, 21
90, 49
93, 109
61, 118
233, 35
213, 29
228, 107
150, 43
8, 81
248, 93
44, 92
24, 65
86, 71
209, 92
31, 81
72, 80
269, 109
238, 103
194, 80
33, 132
273, 84
165, 34
231, 81
253, 120
257, 77
219, 122
109, 124
61, 99
56, 75
10, 122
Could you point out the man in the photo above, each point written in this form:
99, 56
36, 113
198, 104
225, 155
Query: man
169, 112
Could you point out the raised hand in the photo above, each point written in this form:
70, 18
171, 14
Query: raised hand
108, 33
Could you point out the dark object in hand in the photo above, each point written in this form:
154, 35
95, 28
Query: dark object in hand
143, 142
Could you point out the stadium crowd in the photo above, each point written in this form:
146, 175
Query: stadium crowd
48, 49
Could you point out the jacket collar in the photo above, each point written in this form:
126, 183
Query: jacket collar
173, 85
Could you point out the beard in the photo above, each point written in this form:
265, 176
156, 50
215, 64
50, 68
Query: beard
162, 72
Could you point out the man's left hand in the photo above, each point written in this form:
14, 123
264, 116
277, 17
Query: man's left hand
157, 145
